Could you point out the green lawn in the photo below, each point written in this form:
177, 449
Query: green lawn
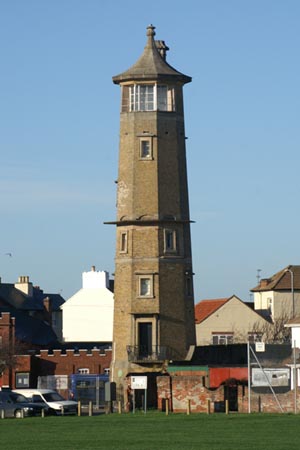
153, 431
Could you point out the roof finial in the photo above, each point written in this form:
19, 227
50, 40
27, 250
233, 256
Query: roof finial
150, 31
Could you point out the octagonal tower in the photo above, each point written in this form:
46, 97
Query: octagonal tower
154, 300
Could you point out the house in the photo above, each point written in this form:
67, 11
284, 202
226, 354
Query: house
88, 314
226, 321
279, 295
37, 314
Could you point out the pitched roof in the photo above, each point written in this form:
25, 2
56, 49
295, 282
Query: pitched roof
205, 308
281, 281
151, 65
17, 299
29, 329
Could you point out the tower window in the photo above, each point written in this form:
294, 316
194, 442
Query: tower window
149, 97
162, 98
189, 286
123, 242
145, 149
145, 286
170, 240
142, 97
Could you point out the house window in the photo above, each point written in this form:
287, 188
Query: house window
145, 288
149, 97
170, 241
145, 149
254, 337
83, 371
222, 339
123, 242
22, 380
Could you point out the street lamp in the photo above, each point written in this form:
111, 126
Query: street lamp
294, 343
292, 289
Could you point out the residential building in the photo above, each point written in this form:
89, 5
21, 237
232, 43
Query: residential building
37, 314
279, 295
227, 321
88, 314
154, 301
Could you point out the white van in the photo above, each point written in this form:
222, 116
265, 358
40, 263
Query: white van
56, 403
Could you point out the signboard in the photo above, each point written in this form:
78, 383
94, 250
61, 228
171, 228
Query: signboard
138, 382
276, 377
259, 346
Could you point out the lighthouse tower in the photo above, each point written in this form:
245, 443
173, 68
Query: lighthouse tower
154, 302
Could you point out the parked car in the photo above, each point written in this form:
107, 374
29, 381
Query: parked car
53, 400
16, 405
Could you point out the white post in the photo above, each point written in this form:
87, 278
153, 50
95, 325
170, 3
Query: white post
249, 376
295, 380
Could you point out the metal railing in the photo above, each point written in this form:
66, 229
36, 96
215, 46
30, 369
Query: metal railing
143, 353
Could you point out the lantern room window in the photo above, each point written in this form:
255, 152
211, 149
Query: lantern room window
149, 97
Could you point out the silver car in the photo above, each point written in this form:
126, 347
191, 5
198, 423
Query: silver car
16, 405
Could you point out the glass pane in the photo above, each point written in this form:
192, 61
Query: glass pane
145, 286
162, 98
145, 149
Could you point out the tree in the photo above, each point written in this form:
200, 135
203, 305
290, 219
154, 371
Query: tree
274, 332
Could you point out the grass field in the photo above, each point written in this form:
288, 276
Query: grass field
153, 431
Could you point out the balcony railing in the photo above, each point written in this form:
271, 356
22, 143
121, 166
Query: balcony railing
156, 353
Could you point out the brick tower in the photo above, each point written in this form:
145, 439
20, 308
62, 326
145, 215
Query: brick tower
154, 303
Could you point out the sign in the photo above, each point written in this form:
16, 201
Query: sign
274, 377
138, 382
259, 346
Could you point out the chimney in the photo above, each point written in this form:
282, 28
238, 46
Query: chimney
162, 49
264, 282
47, 304
93, 268
24, 285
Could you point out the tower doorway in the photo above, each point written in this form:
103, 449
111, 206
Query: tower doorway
145, 338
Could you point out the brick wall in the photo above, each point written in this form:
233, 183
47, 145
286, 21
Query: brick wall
179, 390
67, 363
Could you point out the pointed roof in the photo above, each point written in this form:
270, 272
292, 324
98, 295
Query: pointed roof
152, 64
205, 308
281, 281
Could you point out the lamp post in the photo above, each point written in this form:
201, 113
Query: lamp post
292, 290
295, 367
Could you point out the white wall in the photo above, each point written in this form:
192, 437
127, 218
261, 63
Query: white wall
88, 314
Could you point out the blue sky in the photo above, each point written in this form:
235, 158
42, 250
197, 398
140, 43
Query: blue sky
59, 125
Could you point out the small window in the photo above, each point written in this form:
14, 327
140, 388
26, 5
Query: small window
222, 339
145, 286
123, 242
170, 241
189, 286
145, 149
22, 379
254, 337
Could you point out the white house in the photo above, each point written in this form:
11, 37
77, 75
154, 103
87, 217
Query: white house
88, 314
279, 295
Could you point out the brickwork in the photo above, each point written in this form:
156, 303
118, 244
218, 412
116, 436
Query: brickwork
178, 390
67, 363
152, 196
